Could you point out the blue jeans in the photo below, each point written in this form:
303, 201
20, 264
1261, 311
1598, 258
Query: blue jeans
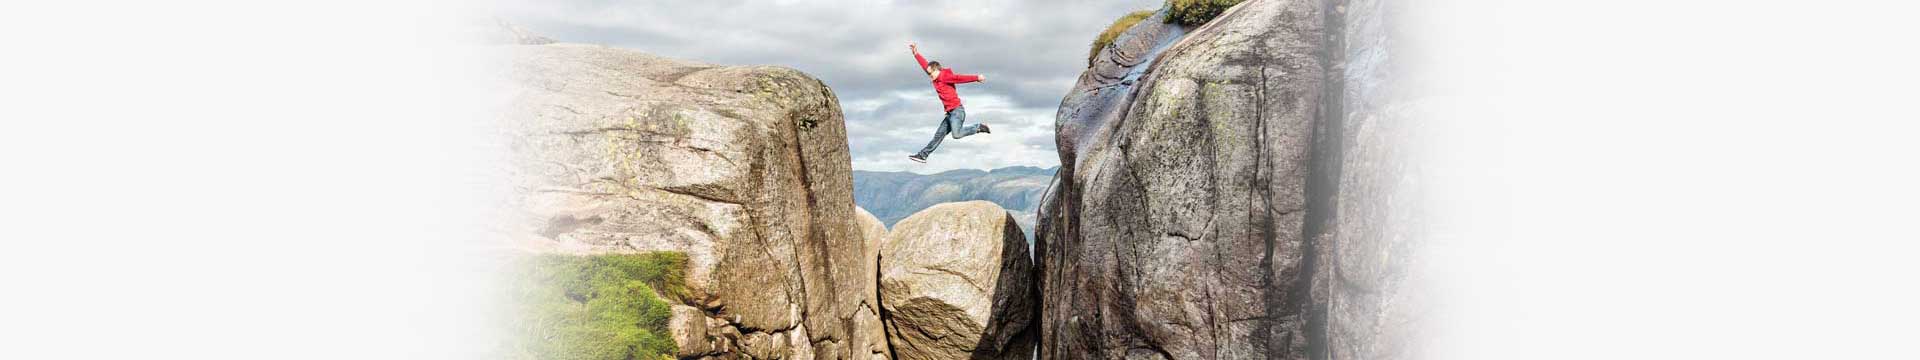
955, 118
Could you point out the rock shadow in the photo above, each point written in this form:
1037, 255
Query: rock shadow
1013, 324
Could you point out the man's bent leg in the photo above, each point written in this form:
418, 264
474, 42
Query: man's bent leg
938, 134
958, 117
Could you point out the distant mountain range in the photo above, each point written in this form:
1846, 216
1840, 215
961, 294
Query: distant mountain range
892, 196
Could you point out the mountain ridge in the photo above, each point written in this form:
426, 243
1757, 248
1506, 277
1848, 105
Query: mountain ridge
893, 195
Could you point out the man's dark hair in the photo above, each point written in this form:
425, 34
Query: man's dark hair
935, 64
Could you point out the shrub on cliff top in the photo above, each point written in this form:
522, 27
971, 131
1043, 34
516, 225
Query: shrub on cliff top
600, 307
1196, 12
1119, 26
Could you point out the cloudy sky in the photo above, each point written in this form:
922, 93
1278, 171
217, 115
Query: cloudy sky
1031, 52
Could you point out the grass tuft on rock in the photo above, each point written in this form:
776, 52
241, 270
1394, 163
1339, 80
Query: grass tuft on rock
1183, 12
598, 307
1113, 31
1196, 12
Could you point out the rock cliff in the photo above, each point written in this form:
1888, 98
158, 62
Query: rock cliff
742, 168
1177, 228
1215, 201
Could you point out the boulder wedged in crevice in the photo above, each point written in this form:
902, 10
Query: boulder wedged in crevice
956, 282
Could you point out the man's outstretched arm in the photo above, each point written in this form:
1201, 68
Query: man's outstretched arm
916, 55
963, 78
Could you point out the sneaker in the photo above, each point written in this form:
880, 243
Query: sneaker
917, 158
985, 130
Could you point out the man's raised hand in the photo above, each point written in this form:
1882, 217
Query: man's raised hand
912, 46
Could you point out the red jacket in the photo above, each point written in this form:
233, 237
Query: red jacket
944, 83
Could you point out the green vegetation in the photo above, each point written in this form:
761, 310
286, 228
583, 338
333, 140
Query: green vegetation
1119, 26
1196, 12
601, 307
1183, 12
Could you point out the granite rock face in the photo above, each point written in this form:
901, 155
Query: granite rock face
1177, 229
1243, 189
956, 282
743, 168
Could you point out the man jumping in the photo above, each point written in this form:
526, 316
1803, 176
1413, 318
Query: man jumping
943, 81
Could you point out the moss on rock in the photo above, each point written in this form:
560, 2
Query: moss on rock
597, 307
1196, 12
1183, 12
1113, 31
